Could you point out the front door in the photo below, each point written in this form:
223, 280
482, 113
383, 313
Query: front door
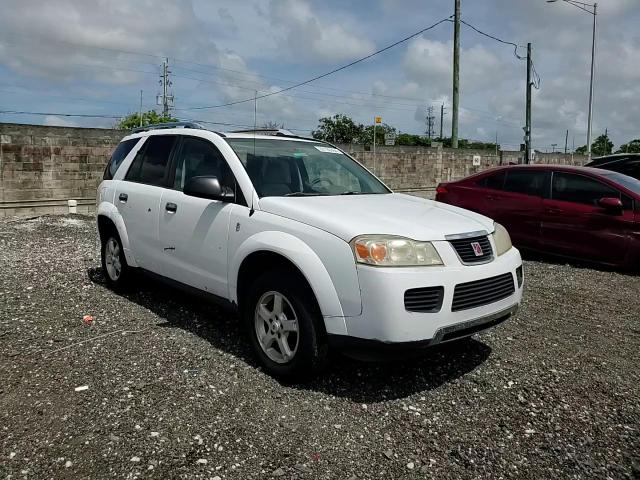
575, 225
138, 199
194, 231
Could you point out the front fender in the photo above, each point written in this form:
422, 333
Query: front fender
306, 260
110, 211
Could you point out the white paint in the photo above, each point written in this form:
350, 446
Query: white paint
73, 206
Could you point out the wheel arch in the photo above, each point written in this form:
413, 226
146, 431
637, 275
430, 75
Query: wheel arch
271, 249
108, 216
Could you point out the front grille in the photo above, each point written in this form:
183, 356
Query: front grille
482, 292
465, 249
427, 299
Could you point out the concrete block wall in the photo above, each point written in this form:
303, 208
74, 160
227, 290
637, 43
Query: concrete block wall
42, 167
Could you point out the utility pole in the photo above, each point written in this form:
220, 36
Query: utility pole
456, 76
441, 120
167, 99
527, 128
430, 122
566, 141
140, 107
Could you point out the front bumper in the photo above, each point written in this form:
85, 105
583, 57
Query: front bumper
384, 318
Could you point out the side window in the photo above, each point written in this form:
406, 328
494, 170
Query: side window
150, 164
495, 182
569, 187
200, 157
118, 155
525, 182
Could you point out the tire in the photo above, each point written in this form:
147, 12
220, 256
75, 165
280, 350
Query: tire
114, 264
280, 308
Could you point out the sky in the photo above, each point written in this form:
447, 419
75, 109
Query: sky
93, 58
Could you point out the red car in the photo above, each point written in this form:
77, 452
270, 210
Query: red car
576, 212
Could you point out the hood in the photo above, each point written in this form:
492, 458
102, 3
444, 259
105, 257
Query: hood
348, 216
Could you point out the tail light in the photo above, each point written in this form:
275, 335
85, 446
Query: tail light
441, 190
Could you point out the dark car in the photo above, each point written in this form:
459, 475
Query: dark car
627, 163
577, 212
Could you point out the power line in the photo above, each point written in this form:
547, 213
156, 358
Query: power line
318, 77
536, 77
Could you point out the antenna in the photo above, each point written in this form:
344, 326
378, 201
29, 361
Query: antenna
255, 124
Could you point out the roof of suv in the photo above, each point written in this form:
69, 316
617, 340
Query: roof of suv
187, 127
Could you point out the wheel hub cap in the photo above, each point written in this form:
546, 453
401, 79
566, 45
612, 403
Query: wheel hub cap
276, 327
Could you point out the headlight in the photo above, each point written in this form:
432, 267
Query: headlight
502, 239
390, 251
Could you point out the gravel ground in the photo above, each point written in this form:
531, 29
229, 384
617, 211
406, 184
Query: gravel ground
173, 392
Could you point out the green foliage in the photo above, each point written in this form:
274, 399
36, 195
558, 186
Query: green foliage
342, 129
338, 129
271, 125
133, 121
366, 137
632, 147
602, 146
581, 150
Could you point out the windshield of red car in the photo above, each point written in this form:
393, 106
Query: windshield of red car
625, 180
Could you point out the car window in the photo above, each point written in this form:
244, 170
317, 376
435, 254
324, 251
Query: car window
495, 182
118, 155
151, 162
200, 157
526, 182
570, 187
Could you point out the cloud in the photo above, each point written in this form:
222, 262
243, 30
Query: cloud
67, 40
305, 36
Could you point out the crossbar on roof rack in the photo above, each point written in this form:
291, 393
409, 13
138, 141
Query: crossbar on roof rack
158, 126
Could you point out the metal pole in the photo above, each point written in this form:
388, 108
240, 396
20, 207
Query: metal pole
593, 58
566, 141
140, 107
456, 76
374, 145
528, 109
441, 119
165, 104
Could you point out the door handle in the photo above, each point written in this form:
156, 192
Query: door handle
553, 210
171, 207
123, 197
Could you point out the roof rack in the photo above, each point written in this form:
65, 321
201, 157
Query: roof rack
277, 132
158, 126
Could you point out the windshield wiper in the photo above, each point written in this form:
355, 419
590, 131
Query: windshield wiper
303, 194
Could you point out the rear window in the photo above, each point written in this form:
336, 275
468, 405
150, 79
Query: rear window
118, 155
150, 164
495, 182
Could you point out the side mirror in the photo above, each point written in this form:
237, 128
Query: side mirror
207, 187
611, 204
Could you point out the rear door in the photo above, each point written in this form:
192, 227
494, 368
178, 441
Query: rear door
574, 224
517, 204
138, 196
194, 231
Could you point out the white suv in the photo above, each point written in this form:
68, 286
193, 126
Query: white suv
304, 242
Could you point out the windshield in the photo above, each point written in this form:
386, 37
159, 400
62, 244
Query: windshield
625, 180
281, 168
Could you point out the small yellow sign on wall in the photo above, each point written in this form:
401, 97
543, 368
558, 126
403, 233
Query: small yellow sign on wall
378, 119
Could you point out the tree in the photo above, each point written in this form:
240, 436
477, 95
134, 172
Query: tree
338, 129
601, 146
148, 118
366, 137
632, 147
